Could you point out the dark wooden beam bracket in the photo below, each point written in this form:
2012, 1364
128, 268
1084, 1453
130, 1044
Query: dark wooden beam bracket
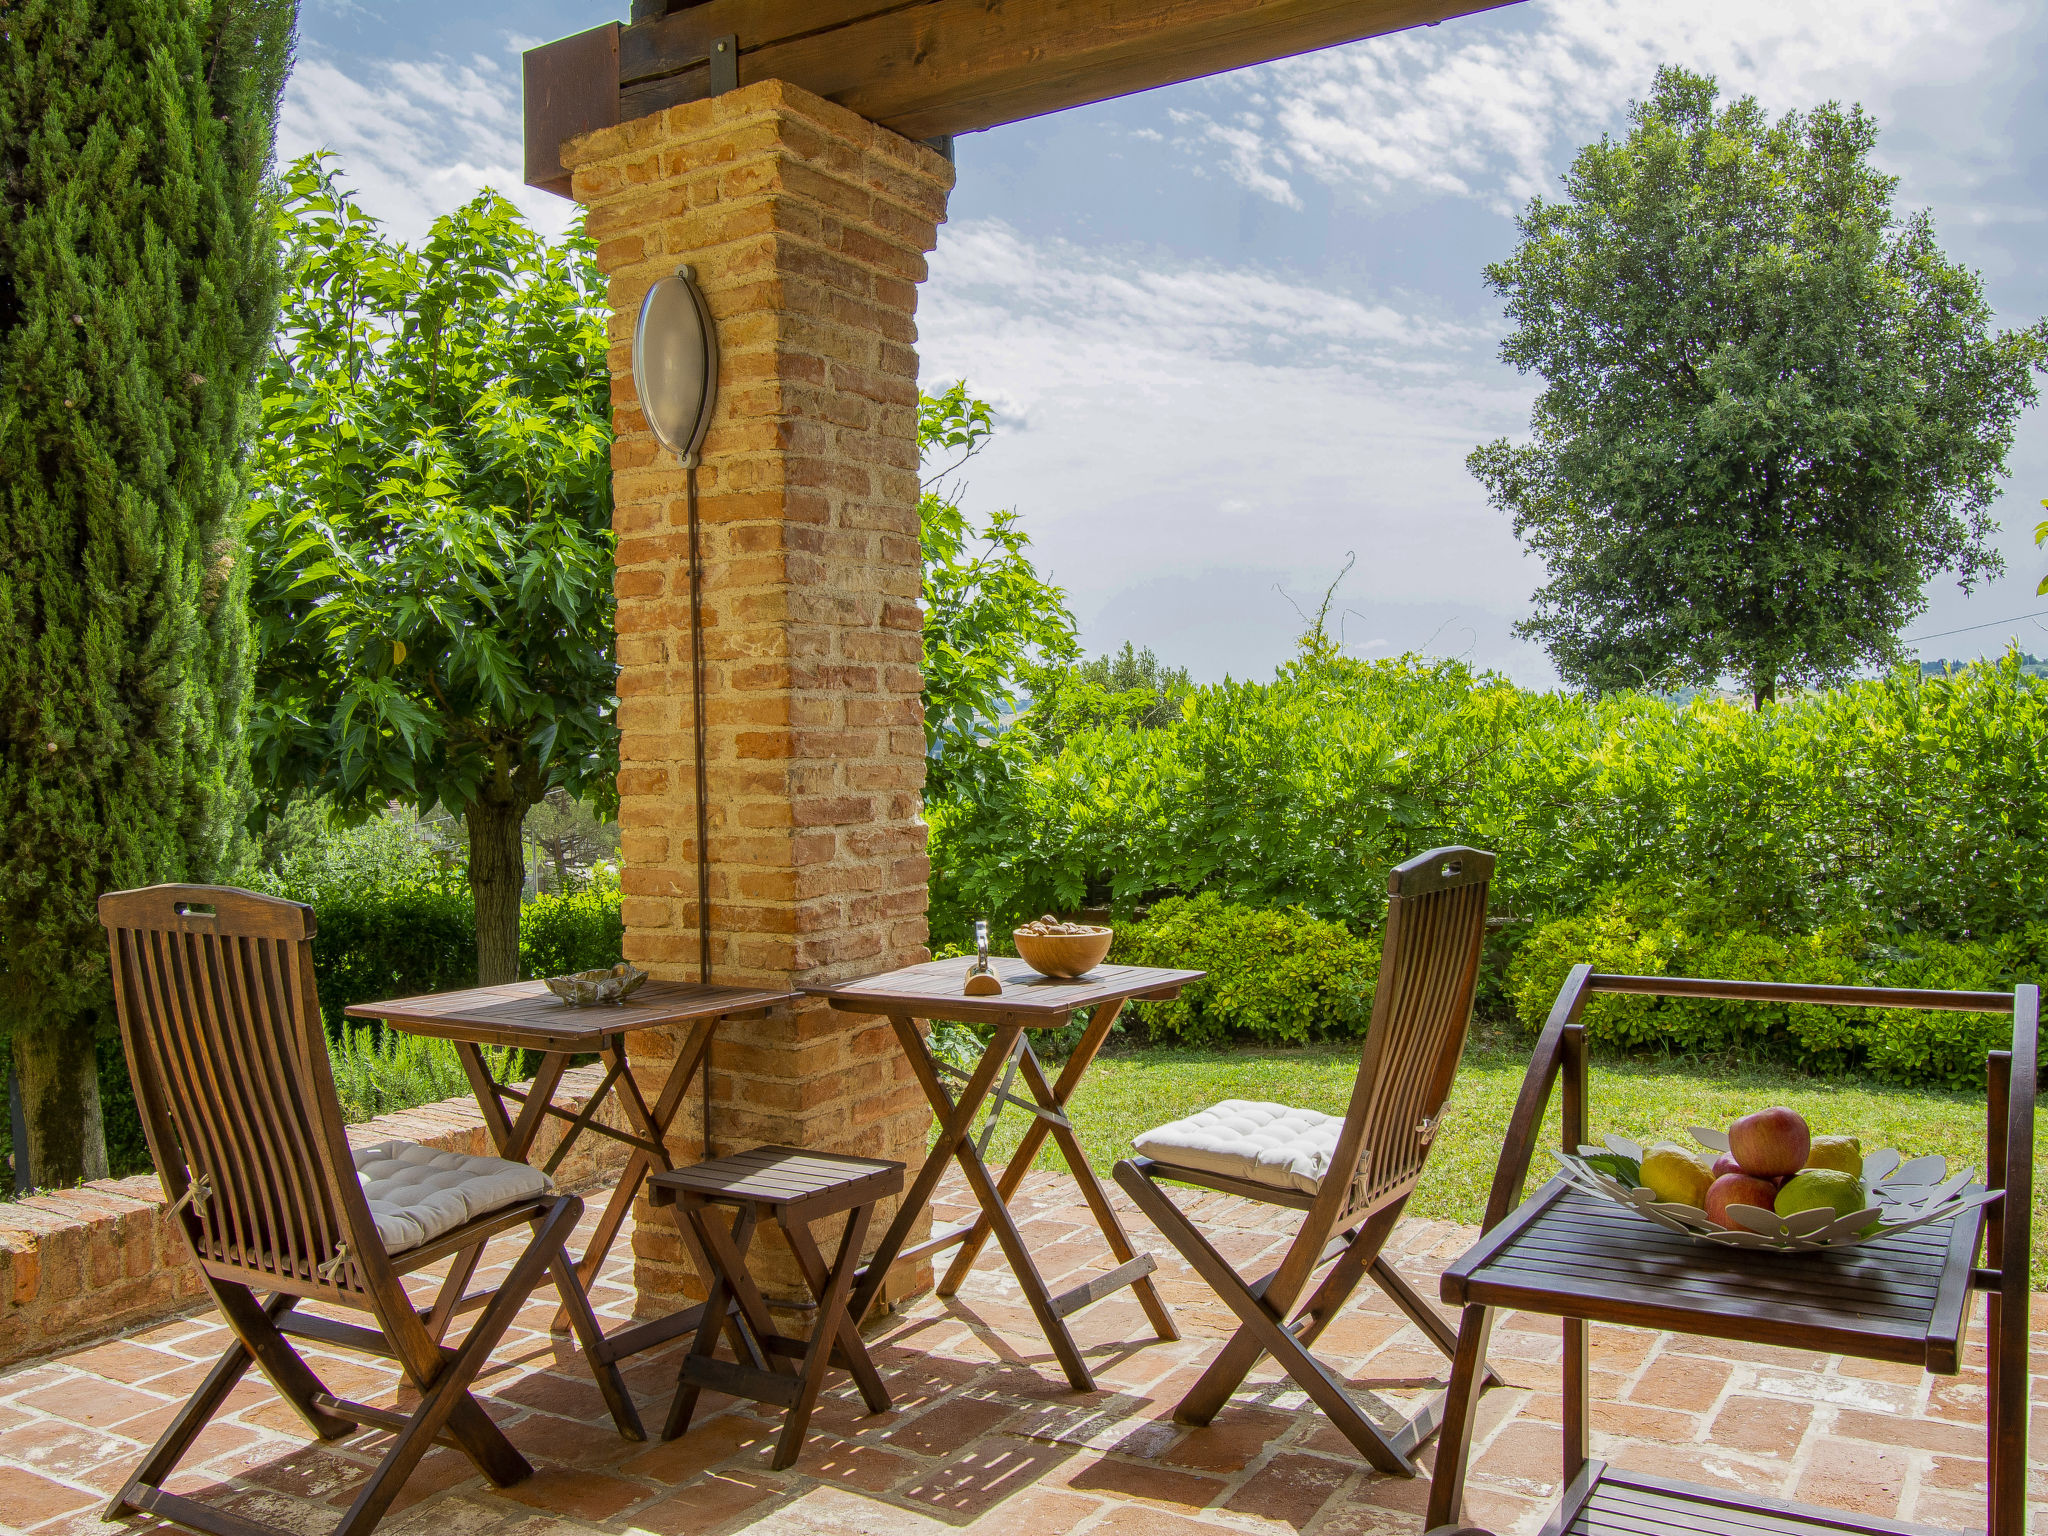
928, 69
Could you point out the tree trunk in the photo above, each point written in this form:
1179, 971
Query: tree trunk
58, 1071
497, 874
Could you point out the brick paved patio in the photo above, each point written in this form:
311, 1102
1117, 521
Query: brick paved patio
985, 1436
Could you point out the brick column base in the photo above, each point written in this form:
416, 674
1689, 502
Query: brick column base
808, 228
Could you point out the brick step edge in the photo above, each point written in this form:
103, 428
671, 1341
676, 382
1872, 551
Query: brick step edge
77, 1265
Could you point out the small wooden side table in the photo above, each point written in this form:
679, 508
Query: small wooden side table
525, 1014
1028, 1001
1905, 1298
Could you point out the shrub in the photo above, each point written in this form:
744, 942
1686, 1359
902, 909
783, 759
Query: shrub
579, 931
377, 1070
1628, 930
1275, 975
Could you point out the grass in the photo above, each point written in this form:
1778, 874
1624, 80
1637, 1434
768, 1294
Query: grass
1131, 1091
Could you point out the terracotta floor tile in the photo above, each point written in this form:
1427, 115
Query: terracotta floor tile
30, 1498
709, 1502
983, 1475
1112, 1478
1231, 1441
1040, 1512
1290, 1489
572, 1491
1862, 1478
90, 1401
61, 1448
1765, 1426
944, 1429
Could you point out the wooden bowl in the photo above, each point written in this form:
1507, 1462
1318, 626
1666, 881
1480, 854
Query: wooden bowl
1063, 954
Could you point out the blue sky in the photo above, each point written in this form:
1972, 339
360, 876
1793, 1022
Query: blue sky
1236, 330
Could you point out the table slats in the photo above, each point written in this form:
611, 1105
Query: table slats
933, 990
1566, 1253
526, 1014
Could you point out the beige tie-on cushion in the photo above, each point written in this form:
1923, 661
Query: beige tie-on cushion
1272, 1144
416, 1193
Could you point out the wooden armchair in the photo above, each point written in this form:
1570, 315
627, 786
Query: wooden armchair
1351, 1177
225, 1045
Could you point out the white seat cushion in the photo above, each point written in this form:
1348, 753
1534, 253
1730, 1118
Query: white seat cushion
1272, 1144
416, 1193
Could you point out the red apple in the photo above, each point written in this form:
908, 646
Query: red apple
1738, 1189
1726, 1164
1771, 1143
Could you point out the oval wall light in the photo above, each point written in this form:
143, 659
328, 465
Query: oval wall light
675, 363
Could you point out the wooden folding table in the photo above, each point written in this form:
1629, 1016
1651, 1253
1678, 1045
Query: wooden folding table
525, 1014
1028, 1001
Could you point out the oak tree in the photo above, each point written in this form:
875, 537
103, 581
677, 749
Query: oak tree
1773, 409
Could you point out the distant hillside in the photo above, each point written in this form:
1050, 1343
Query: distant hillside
2032, 666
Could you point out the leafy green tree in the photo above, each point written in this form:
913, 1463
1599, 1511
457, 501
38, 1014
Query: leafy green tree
433, 540
138, 283
1132, 689
1773, 409
988, 615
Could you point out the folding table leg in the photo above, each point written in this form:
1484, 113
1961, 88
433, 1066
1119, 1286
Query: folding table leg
956, 1121
1012, 1179
1126, 1256
852, 1351
1029, 1281
1461, 1406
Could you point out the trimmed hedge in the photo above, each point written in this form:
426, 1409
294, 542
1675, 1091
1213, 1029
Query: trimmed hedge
1634, 931
1281, 976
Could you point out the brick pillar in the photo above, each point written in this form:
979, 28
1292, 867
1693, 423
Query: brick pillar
808, 227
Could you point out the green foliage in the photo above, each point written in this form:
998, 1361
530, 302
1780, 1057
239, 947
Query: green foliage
988, 614
1131, 689
138, 282
1277, 976
433, 597
579, 931
1773, 409
1784, 841
377, 1071
1634, 931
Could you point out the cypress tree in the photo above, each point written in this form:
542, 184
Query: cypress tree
138, 285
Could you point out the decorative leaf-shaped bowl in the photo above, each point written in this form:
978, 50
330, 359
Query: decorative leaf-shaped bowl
582, 989
1898, 1196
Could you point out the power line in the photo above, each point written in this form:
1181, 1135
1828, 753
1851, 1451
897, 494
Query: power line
1970, 628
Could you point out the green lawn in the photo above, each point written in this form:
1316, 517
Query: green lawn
1129, 1092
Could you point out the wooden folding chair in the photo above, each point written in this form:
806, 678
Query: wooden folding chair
214, 989
1351, 1177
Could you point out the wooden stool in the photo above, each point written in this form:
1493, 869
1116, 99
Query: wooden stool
796, 1188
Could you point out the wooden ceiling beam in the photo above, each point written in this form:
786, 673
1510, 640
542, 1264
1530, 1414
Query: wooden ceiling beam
930, 68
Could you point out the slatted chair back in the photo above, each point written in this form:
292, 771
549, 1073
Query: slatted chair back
1422, 1005
225, 1045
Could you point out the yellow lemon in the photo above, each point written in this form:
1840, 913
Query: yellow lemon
1844, 1154
1675, 1175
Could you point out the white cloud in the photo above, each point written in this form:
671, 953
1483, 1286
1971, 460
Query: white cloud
416, 138
1183, 437
1491, 111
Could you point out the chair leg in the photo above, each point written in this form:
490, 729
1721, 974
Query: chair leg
445, 1400
610, 1383
255, 1330
831, 1313
1308, 1373
851, 1351
717, 1302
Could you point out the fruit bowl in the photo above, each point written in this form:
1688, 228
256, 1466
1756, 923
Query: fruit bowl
1069, 954
1899, 1195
